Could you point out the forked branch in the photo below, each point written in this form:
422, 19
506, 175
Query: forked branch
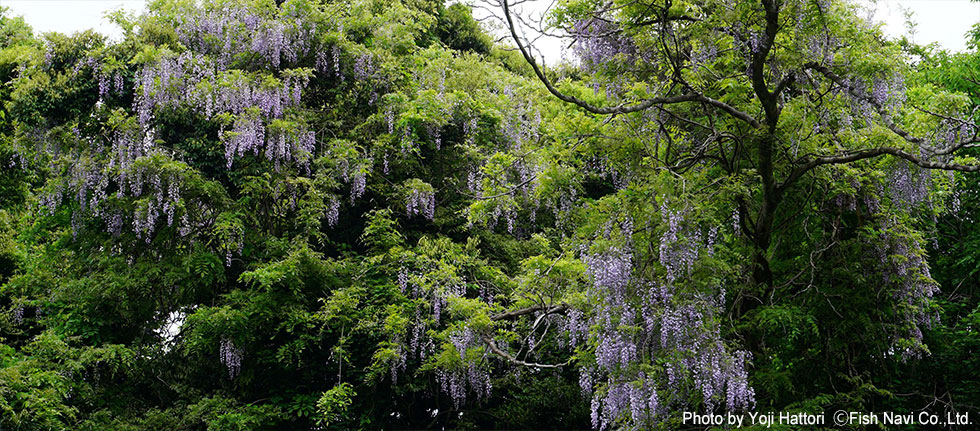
689, 96
855, 155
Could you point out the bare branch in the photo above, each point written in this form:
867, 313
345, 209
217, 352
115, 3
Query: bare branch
854, 156
497, 351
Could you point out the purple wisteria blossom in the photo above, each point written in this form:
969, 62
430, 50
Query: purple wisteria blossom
598, 41
230, 356
421, 202
904, 267
333, 211
908, 185
363, 67
680, 245
200, 83
632, 319
229, 32
469, 376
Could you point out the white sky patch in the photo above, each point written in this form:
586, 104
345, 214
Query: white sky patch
943, 21
171, 328
70, 16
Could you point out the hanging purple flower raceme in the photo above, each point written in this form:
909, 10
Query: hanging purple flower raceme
358, 186
230, 356
335, 55
756, 41
247, 135
363, 67
908, 185
610, 271
435, 133
520, 122
473, 182
197, 81
408, 141
390, 120
421, 202
598, 41
322, 62
231, 33
889, 93
680, 244
51, 200
156, 193
403, 280
470, 130
333, 211
904, 266
632, 320
468, 375
703, 57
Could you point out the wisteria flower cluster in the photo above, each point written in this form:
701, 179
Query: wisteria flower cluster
421, 202
908, 185
467, 369
231, 33
230, 356
634, 319
155, 193
469, 376
597, 41
521, 123
255, 101
681, 245
904, 266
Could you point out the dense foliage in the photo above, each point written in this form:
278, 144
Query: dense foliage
259, 214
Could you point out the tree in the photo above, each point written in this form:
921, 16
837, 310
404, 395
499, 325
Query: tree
782, 103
